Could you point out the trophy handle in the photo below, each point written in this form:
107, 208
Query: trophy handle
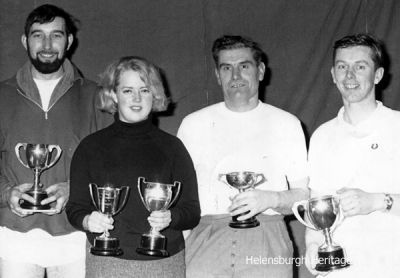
340, 214
126, 189
178, 184
51, 148
222, 178
295, 209
261, 178
17, 147
92, 196
140, 181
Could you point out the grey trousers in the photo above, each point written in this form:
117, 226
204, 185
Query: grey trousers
111, 267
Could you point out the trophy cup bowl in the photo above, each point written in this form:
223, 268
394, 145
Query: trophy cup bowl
243, 181
324, 214
155, 197
108, 201
38, 158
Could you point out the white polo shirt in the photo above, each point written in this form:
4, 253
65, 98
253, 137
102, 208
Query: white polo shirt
365, 156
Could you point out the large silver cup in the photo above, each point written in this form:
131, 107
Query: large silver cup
243, 181
155, 197
38, 158
324, 215
108, 200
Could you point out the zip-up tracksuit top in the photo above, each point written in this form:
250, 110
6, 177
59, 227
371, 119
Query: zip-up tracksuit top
72, 115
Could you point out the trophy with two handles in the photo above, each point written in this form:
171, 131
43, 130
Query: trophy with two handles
38, 158
324, 214
108, 200
243, 181
156, 197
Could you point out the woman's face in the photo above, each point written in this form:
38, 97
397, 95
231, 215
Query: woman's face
133, 97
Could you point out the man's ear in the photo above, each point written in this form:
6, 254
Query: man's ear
70, 40
24, 41
333, 75
379, 75
218, 77
261, 71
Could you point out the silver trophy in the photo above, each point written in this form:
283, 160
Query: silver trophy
38, 158
324, 214
155, 197
243, 181
108, 200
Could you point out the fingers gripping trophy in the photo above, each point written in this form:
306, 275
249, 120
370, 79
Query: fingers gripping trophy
108, 200
38, 158
243, 181
324, 214
156, 197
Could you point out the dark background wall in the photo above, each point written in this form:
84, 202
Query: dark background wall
297, 36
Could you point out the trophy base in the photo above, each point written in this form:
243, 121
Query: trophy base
151, 245
38, 196
244, 224
331, 260
106, 247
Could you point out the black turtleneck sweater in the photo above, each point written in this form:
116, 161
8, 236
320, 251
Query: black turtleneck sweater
121, 153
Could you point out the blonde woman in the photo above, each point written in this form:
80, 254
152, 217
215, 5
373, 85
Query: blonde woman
133, 147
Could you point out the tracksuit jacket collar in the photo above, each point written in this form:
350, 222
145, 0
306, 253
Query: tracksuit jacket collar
28, 87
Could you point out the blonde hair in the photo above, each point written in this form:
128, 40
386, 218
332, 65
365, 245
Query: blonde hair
109, 81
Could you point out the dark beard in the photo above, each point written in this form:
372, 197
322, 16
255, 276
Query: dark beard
49, 67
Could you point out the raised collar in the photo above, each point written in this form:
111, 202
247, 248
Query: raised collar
132, 129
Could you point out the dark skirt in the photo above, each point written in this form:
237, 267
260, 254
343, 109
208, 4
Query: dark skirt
213, 249
111, 267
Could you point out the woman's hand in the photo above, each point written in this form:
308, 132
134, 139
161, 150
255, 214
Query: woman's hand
160, 220
97, 222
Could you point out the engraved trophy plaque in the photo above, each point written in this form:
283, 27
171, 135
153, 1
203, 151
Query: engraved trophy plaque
324, 214
155, 197
243, 181
108, 200
38, 158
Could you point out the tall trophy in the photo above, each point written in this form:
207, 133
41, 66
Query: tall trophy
38, 158
108, 200
243, 181
155, 197
324, 214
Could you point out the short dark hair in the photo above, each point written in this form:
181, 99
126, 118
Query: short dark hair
362, 39
47, 13
235, 42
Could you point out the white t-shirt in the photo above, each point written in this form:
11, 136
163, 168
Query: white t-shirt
46, 88
264, 140
365, 156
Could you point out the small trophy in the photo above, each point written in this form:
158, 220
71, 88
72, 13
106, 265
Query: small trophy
324, 214
38, 157
243, 181
155, 197
107, 200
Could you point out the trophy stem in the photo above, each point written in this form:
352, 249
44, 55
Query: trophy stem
328, 238
105, 234
36, 183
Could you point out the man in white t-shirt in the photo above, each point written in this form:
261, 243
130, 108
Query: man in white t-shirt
46, 102
243, 134
356, 156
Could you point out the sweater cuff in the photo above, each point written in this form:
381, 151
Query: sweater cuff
175, 218
5, 194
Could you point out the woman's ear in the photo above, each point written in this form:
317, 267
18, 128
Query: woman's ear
114, 96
